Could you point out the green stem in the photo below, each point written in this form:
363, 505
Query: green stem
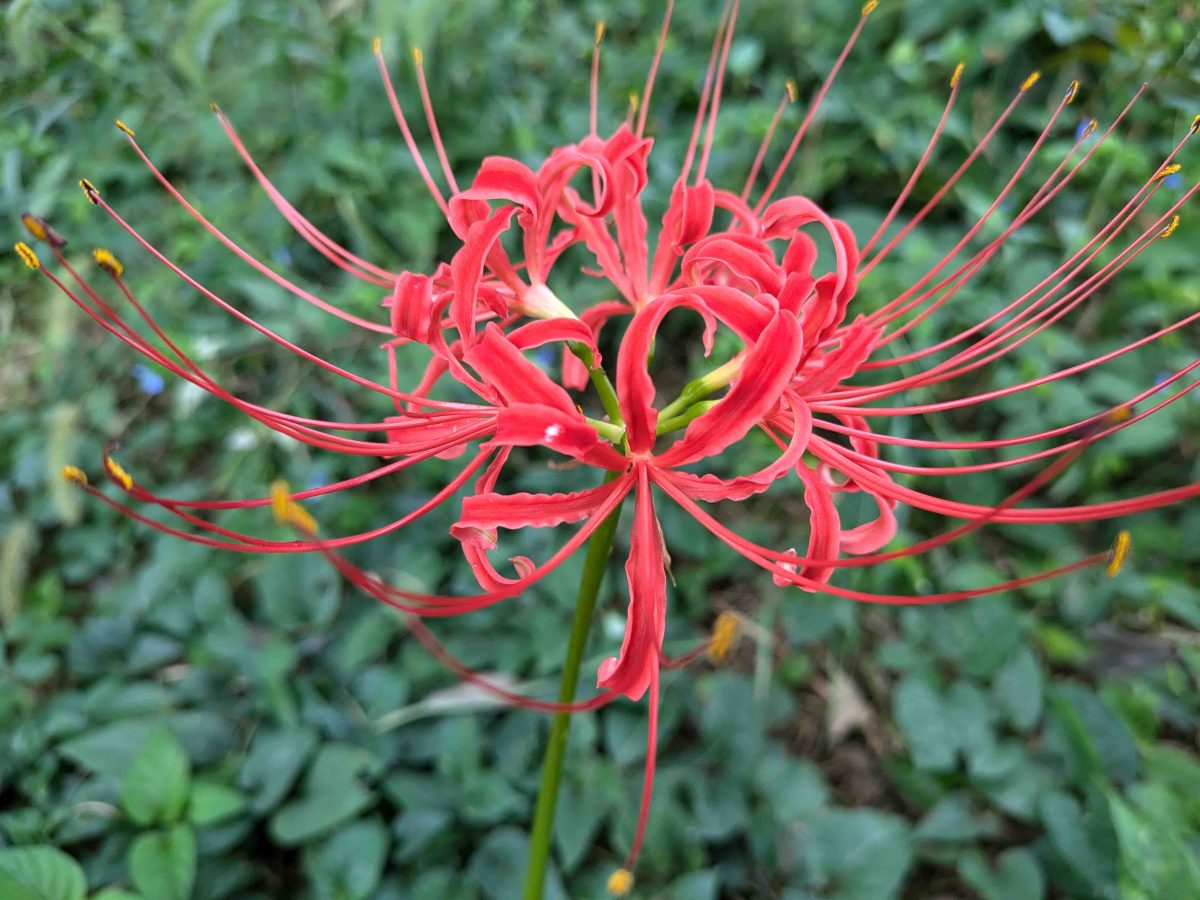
608, 395
598, 553
684, 418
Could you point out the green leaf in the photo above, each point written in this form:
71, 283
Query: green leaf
1016, 876
162, 864
1083, 839
315, 814
40, 873
332, 795
921, 715
273, 764
155, 788
1155, 861
212, 802
1018, 689
350, 863
857, 854
498, 866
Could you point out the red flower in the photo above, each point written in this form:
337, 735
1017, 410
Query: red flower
810, 375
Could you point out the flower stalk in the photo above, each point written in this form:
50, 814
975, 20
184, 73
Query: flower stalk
599, 552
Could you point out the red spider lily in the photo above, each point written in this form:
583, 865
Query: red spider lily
810, 375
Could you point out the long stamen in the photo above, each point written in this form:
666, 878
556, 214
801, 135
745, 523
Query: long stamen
897, 307
813, 106
933, 201
594, 90
406, 132
322, 243
431, 120
789, 97
920, 167
262, 329
705, 91
653, 73
718, 87
1048, 316
246, 257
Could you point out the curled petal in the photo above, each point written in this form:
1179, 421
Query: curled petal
467, 268
413, 313
690, 215
502, 178
746, 257
744, 218
547, 331
824, 526
874, 534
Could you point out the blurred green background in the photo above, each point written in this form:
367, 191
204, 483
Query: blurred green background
193, 724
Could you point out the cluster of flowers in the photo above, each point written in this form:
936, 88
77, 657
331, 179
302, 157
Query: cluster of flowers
812, 373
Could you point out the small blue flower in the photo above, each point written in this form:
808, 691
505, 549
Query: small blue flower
1083, 127
1173, 181
317, 478
149, 381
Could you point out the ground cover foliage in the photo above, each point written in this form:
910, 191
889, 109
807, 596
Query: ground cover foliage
182, 723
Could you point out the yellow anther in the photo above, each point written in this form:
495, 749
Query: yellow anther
1030, 81
724, 633
118, 473
107, 262
1118, 415
73, 475
957, 76
288, 512
792, 91
869, 7
1072, 90
93, 195
125, 128
1118, 554
27, 255
1089, 129
601, 27
1167, 170
281, 501
40, 230
418, 56
620, 882
376, 45
1170, 229
635, 101
216, 109
35, 226
1195, 125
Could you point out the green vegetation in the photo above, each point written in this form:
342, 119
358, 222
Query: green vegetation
189, 724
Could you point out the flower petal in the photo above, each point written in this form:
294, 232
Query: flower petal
516, 379
532, 425
711, 489
631, 671
467, 268
765, 375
